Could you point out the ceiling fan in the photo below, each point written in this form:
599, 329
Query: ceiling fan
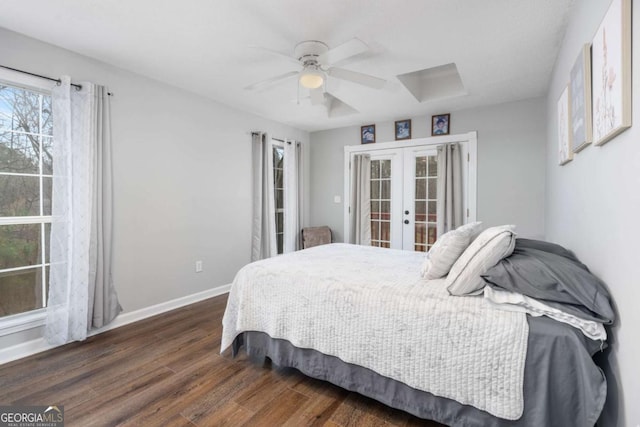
316, 61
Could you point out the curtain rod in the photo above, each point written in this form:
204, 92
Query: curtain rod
58, 81
277, 139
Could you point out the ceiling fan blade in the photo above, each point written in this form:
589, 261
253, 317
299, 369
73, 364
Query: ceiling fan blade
277, 53
343, 51
317, 96
355, 77
271, 81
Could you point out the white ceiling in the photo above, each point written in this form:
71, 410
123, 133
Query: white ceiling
504, 49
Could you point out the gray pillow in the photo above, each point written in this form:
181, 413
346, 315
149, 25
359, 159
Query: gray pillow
541, 245
560, 281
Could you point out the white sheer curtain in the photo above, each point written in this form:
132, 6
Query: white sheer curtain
449, 197
292, 195
360, 227
81, 292
263, 239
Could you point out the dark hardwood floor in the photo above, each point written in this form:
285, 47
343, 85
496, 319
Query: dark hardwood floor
167, 371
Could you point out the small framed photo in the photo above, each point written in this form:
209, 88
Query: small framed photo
440, 124
403, 129
368, 134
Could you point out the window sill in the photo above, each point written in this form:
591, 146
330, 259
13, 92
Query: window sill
21, 322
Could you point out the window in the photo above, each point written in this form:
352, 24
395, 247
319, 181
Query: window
278, 188
26, 130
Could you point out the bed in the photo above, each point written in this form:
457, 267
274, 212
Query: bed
365, 319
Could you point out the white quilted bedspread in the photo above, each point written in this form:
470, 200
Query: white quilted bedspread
370, 307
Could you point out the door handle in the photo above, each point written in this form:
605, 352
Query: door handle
406, 221
406, 212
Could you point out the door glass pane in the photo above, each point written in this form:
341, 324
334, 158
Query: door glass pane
419, 236
421, 189
375, 209
421, 166
425, 202
421, 211
432, 234
432, 211
385, 169
375, 190
385, 192
433, 165
385, 231
432, 184
385, 210
380, 203
375, 169
375, 231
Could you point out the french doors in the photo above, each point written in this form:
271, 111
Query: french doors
404, 186
403, 198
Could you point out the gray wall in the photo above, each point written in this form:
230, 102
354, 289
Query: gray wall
511, 162
592, 206
182, 167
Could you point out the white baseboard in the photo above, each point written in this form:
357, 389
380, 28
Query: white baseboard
38, 345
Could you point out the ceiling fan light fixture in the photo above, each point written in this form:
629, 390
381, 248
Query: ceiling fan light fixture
311, 78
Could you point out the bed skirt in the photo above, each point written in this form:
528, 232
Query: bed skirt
562, 384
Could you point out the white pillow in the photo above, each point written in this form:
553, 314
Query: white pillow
492, 245
446, 250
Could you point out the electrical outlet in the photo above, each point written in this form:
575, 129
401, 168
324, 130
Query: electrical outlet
198, 266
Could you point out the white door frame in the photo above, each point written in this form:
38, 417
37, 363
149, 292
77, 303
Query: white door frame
469, 145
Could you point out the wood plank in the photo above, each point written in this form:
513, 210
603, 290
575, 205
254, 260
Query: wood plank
277, 413
230, 414
202, 408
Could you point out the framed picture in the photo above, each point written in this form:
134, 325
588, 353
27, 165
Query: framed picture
403, 129
368, 134
440, 124
581, 129
611, 72
564, 128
